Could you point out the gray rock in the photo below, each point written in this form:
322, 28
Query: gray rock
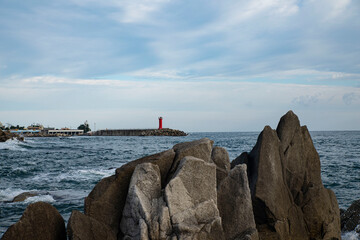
107, 200
82, 227
199, 148
192, 200
221, 159
302, 172
145, 214
40, 221
235, 206
289, 200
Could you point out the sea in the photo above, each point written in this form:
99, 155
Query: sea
63, 170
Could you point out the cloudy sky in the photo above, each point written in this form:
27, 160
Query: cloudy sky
202, 65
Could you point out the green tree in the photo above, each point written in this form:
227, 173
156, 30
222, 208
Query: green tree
84, 127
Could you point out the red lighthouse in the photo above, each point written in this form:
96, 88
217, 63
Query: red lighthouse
160, 122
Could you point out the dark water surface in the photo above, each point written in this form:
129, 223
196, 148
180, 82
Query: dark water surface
64, 170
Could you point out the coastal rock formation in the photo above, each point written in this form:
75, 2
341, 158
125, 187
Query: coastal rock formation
145, 214
40, 221
192, 191
6, 135
289, 199
350, 219
107, 200
81, 226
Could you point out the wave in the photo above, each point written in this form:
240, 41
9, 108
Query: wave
351, 235
12, 145
42, 198
8, 194
75, 175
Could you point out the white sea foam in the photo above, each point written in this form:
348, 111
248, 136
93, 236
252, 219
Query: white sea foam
11, 144
8, 194
75, 175
351, 235
103, 173
42, 198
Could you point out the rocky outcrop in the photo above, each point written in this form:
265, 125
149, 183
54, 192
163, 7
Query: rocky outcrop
192, 191
350, 219
6, 135
40, 221
289, 199
81, 226
145, 214
107, 200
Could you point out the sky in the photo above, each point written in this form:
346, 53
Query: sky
201, 65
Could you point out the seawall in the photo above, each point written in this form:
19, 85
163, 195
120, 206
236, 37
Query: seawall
139, 132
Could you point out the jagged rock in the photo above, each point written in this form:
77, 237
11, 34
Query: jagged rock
303, 177
235, 206
289, 200
82, 227
221, 159
192, 200
6, 135
107, 200
200, 149
40, 221
145, 214
350, 219
271, 198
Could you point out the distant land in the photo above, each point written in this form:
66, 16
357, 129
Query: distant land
38, 130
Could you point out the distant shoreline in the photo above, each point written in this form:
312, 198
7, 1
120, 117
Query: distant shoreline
112, 132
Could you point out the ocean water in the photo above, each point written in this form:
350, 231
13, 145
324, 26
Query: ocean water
64, 170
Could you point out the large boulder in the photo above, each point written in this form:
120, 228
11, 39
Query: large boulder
235, 206
82, 227
145, 214
106, 201
289, 199
192, 200
40, 221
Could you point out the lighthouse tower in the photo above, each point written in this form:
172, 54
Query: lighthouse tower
160, 122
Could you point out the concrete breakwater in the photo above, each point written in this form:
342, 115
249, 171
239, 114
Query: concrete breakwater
139, 132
